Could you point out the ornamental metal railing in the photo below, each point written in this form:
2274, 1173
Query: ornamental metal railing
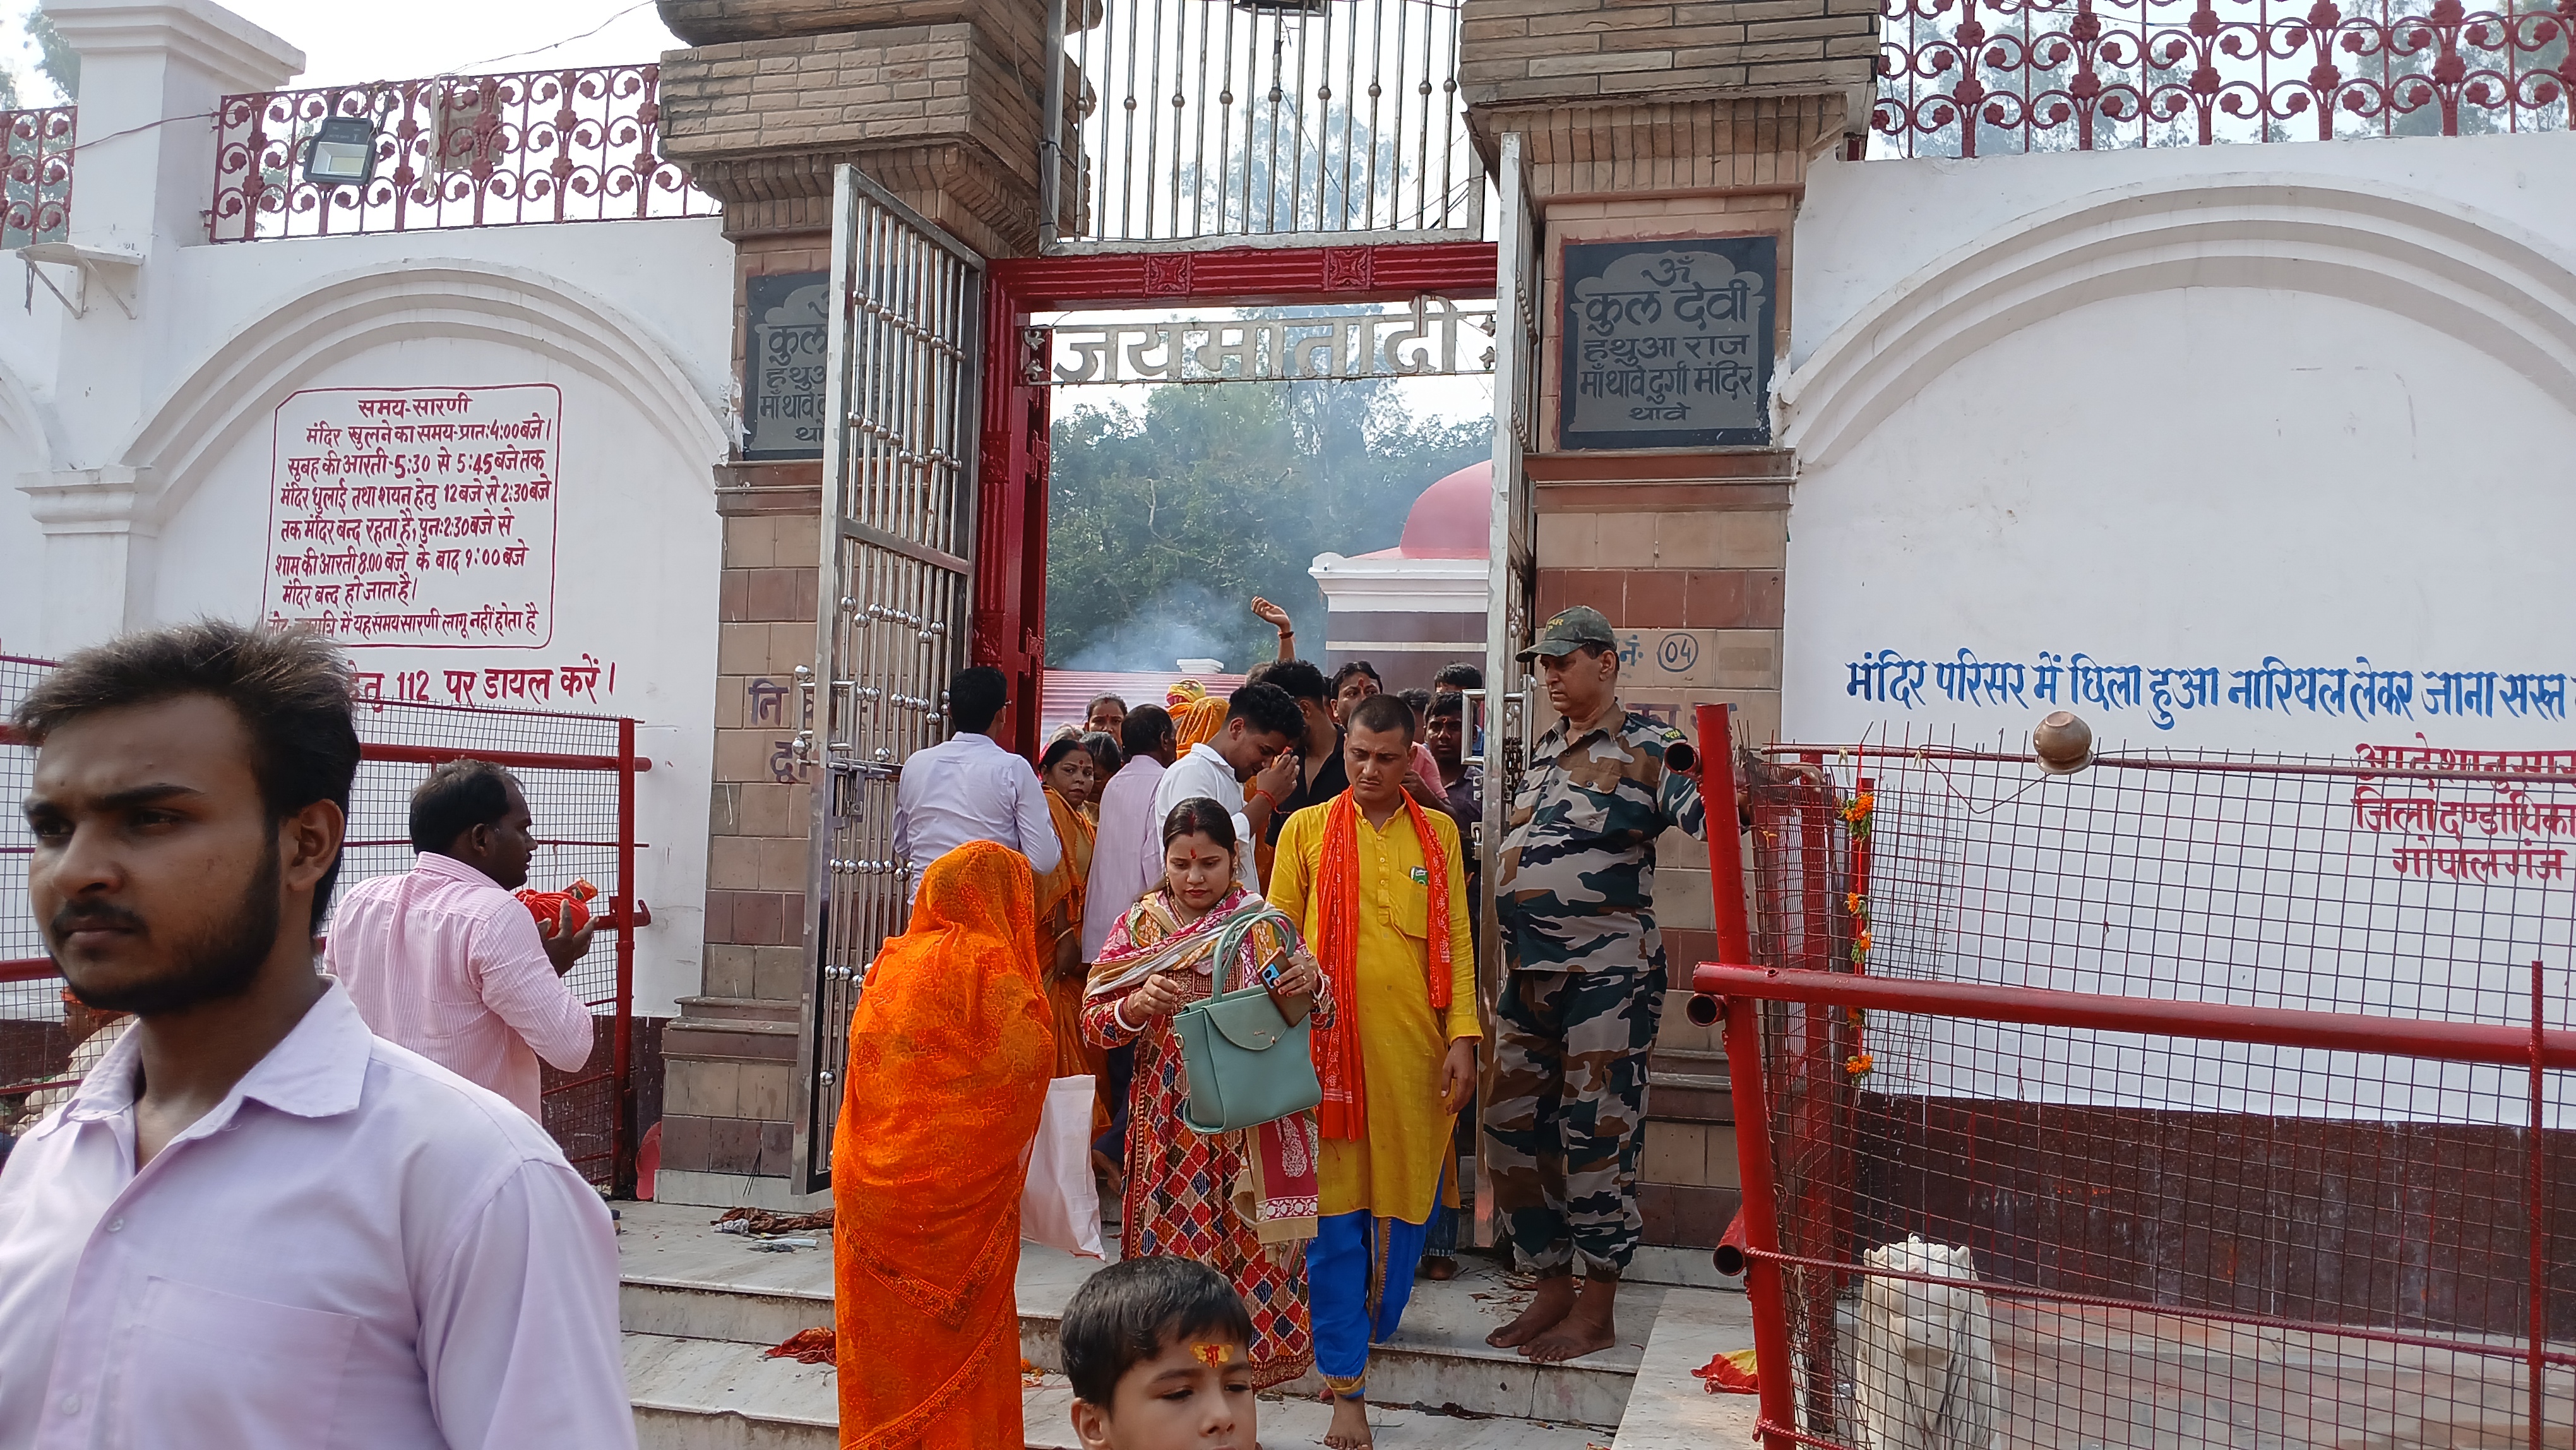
1179, 122
36, 176
453, 151
1987, 77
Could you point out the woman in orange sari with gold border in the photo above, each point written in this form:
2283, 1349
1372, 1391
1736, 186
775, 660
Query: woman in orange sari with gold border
951, 1048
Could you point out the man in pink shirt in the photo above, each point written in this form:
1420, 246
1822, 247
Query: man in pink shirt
445, 961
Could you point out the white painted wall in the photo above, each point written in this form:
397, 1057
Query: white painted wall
2185, 409
142, 446
2199, 412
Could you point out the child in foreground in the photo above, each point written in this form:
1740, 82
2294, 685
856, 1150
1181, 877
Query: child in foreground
1159, 1352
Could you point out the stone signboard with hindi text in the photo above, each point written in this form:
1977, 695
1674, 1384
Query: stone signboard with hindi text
1668, 344
421, 517
782, 365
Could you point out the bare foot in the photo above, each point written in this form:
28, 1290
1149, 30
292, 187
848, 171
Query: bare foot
1350, 1427
1554, 1300
1587, 1328
1439, 1269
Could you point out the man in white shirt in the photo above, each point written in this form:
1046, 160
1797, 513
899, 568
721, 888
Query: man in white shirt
968, 788
1261, 722
256, 1223
1127, 854
445, 961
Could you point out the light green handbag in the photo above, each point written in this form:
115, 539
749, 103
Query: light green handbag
1247, 1063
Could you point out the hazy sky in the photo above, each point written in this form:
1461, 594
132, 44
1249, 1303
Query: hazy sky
370, 40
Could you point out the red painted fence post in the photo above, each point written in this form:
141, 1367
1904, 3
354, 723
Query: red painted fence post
621, 1141
1720, 797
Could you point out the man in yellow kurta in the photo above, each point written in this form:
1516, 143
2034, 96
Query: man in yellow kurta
1378, 886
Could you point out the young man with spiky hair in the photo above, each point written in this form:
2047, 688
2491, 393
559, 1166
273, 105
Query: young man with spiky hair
257, 1223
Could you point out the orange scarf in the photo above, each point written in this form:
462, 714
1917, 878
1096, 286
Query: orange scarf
950, 1052
1197, 722
1337, 884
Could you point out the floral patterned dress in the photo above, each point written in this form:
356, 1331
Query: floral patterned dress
1179, 1183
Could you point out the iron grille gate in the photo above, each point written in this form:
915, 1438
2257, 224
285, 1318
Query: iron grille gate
898, 506
1512, 553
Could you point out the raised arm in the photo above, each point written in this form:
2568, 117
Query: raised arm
1277, 618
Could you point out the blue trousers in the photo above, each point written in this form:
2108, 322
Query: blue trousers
1359, 1276
1440, 1234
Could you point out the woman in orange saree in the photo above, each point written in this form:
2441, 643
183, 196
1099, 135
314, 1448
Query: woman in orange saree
1068, 770
950, 1052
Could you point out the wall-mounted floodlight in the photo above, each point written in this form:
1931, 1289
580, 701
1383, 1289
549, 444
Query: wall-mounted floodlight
343, 152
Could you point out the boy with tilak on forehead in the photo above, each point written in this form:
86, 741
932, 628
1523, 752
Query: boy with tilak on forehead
1159, 1352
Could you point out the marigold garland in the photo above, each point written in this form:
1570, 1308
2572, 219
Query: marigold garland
1857, 813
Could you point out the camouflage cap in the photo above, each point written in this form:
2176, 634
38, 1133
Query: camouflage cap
1568, 630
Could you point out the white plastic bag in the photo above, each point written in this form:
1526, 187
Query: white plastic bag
1060, 1207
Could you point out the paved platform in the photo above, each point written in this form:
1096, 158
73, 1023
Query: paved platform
700, 1306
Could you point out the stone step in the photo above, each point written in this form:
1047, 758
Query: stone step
1671, 1410
713, 1394
684, 1282
1286, 1420
717, 1395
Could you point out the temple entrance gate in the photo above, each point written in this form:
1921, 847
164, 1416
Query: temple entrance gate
898, 551
1204, 160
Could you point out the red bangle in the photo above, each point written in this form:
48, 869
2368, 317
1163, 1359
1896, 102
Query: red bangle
1262, 795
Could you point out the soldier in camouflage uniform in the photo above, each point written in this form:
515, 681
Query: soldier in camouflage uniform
1566, 1105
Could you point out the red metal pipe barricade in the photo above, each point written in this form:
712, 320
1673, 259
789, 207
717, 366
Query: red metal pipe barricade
579, 774
2187, 1099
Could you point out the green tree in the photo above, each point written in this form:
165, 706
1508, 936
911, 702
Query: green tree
1163, 526
59, 62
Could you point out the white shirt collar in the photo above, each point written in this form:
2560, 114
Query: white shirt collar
317, 1070
1207, 752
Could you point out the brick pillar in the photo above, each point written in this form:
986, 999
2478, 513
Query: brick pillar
1652, 120
938, 101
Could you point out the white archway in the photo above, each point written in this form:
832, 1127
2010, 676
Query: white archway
2482, 281
243, 379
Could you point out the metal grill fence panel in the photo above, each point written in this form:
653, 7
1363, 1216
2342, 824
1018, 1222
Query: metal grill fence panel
35, 175
577, 772
2226, 1073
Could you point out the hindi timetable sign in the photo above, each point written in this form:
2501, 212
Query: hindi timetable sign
416, 516
1668, 344
782, 365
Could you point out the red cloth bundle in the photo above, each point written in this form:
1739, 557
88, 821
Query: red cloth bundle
548, 906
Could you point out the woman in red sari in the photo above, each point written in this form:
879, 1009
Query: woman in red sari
950, 1051
1242, 1203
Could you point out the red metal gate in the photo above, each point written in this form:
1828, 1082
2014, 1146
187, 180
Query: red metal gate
2229, 1081
579, 775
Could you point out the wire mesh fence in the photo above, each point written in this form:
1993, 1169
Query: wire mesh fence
576, 772
2294, 1174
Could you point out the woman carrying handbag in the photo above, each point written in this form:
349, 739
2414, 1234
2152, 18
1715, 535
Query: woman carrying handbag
1241, 1201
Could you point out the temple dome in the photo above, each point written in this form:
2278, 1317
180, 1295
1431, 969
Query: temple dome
1453, 518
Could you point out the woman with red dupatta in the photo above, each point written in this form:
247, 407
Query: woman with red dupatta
1242, 1203
1068, 771
950, 1052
